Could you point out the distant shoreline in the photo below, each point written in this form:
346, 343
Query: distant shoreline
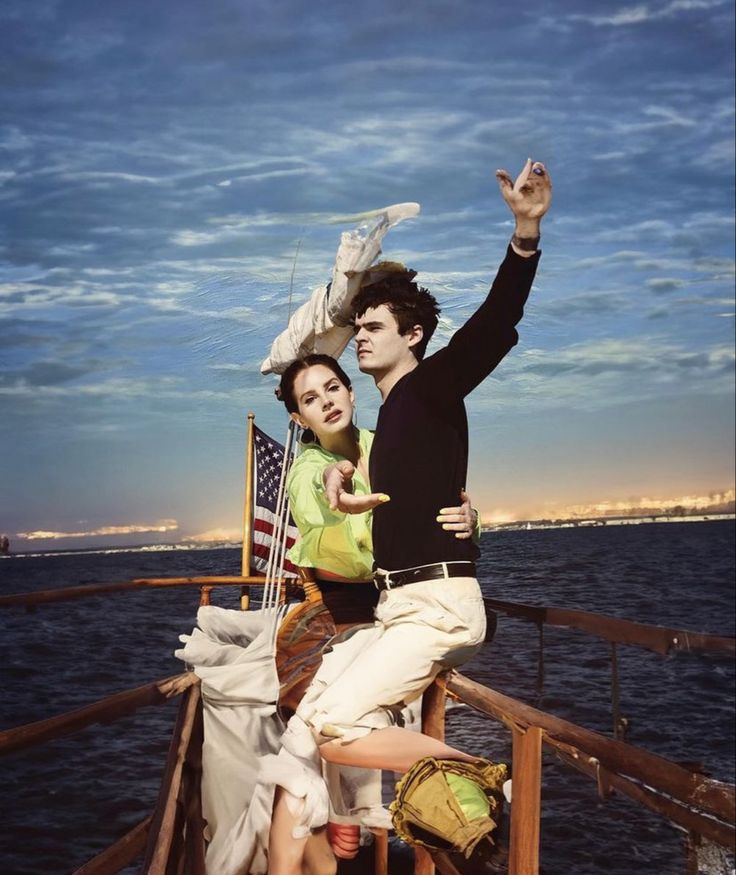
521, 525
592, 522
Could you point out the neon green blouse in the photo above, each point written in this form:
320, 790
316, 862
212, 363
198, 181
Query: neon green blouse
329, 539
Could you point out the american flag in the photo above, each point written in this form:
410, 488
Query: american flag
269, 458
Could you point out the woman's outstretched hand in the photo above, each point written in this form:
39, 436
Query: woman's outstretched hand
338, 481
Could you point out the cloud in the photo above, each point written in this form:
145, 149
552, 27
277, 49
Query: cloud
45, 373
715, 502
586, 304
632, 356
159, 527
665, 284
220, 535
644, 13
604, 373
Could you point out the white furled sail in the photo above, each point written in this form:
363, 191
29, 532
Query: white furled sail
322, 324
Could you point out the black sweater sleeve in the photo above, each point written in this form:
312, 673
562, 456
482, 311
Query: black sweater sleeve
476, 349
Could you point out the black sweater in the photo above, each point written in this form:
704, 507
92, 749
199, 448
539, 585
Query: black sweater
420, 452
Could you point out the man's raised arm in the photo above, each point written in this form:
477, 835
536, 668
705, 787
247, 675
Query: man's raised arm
478, 346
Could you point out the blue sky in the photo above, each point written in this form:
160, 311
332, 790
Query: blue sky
160, 163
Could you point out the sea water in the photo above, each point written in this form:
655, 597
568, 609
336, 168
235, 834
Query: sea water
67, 800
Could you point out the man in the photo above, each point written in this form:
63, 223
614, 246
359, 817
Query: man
431, 615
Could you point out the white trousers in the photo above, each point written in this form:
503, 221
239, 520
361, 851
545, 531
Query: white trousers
420, 629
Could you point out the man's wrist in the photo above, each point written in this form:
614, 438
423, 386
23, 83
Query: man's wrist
527, 227
526, 244
525, 240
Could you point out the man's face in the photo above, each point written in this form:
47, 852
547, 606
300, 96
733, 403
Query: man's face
378, 344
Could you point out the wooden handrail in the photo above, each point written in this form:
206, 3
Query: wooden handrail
119, 854
104, 711
687, 818
42, 597
169, 809
714, 798
660, 639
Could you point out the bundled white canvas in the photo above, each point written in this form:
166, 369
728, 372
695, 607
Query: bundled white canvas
247, 750
322, 324
232, 652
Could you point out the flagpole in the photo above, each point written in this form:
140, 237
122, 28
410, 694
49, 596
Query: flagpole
247, 514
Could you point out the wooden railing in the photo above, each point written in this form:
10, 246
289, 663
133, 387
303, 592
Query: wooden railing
69, 593
702, 806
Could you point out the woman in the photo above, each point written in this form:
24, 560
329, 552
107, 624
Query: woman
335, 545
318, 395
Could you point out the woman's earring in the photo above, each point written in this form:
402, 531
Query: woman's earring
355, 415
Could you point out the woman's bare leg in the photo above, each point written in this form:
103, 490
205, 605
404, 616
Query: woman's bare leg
319, 858
285, 853
393, 749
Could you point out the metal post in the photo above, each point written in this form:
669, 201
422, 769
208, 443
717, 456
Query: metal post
615, 692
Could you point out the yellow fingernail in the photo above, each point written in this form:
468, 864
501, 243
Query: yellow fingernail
445, 526
439, 518
384, 498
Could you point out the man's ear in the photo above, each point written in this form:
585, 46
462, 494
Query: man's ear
415, 335
297, 419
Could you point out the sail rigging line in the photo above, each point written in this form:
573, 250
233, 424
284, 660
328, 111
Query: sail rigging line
293, 272
271, 594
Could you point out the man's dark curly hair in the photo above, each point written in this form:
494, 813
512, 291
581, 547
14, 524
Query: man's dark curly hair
410, 304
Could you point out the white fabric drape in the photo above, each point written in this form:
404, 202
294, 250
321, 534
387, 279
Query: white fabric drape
322, 324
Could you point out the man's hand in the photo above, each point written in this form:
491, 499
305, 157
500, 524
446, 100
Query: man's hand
461, 520
337, 478
528, 198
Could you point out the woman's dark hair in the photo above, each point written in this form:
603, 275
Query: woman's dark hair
285, 392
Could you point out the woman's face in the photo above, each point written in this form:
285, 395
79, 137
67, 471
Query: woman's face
325, 405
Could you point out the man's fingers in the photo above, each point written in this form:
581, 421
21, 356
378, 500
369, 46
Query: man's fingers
523, 176
546, 180
451, 515
504, 180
